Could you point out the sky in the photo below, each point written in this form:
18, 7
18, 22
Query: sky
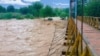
22, 3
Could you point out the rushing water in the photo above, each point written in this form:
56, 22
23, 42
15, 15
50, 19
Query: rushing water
25, 37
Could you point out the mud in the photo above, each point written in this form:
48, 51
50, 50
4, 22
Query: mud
26, 37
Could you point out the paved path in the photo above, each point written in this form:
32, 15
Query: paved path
93, 36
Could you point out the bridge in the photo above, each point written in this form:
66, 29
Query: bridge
81, 36
77, 40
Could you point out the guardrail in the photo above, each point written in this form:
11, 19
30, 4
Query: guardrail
76, 44
93, 21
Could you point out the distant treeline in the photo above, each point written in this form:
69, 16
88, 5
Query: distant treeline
36, 10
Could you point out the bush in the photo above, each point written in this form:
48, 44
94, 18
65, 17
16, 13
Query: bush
15, 15
11, 16
5, 16
29, 16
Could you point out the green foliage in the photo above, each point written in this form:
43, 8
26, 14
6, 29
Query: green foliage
62, 12
35, 10
5, 15
2, 9
63, 15
10, 16
10, 8
66, 10
37, 5
15, 15
79, 10
57, 11
29, 16
42, 13
48, 11
93, 8
24, 10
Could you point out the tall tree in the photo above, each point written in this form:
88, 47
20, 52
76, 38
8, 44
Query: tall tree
42, 13
66, 10
48, 11
57, 11
2, 9
24, 10
36, 7
93, 8
10, 8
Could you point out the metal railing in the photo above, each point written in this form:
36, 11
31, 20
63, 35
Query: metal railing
93, 21
76, 44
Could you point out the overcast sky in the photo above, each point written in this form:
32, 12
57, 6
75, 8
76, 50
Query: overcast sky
53, 3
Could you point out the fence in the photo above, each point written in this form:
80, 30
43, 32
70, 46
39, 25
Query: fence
76, 44
93, 21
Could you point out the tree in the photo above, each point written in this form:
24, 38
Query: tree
30, 9
79, 10
24, 10
2, 9
57, 11
48, 11
36, 7
42, 12
10, 8
66, 10
63, 14
93, 8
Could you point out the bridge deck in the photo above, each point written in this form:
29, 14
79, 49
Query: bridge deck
92, 35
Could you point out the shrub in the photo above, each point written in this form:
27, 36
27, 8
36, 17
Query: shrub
29, 16
15, 15
5, 15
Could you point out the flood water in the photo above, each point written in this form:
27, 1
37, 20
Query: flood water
25, 37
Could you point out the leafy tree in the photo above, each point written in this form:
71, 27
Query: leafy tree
30, 9
36, 7
2, 9
57, 11
35, 10
24, 10
79, 10
66, 10
10, 8
63, 14
48, 11
17, 10
93, 8
42, 13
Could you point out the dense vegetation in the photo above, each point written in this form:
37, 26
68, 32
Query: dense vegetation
36, 10
91, 8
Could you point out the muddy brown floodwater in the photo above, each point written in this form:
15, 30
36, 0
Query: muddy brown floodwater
25, 37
